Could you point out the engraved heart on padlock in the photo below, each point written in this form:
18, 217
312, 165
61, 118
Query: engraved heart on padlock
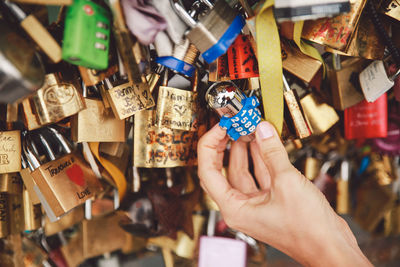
180, 109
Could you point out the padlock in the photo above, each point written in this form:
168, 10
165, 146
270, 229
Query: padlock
4, 215
346, 90
378, 78
11, 183
96, 123
182, 59
10, 151
76, 182
325, 182
16, 210
56, 100
36, 31
87, 30
366, 120
320, 115
311, 166
242, 60
336, 32
92, 77
177, 108
32, 213
297, 63
239, 114
220, 251
215, 30
391, 8
127, 98
69, 220
295, 109
21, 69
156, 147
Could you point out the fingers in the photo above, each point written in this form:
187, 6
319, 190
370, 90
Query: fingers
260, 169
272, 150
239, 175
210, 150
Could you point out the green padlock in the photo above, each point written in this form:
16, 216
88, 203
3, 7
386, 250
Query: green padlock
87, 35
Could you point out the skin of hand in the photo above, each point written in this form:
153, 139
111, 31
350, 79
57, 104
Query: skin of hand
286, 211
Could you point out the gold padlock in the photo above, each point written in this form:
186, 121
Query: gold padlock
29, 183
156, 147
93, 77
56, 100
16, 210
32, 213
96, 124
10, 151
62, 183
70, 219
127, 98
391, 8
176, 108
4, 216
10, 183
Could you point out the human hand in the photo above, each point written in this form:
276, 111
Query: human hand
286, 211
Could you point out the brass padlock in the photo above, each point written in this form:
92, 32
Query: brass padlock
127, 98
320, 115
156, 147
4, 216
346, 90
70, 219
16, 211
92, 77
28, 181
10, 151
56, 100
62, 183
391, 8
10, 183
96, 123
176, 108
32, 213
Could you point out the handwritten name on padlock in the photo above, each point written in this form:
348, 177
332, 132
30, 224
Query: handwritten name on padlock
10, 151
54, 171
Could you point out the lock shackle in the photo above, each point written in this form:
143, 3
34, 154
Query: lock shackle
61, 140
394, 76
183, 14
32, 159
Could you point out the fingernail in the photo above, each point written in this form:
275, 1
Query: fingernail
264, 130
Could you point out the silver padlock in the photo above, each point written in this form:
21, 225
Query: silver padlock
215, 30
377, 78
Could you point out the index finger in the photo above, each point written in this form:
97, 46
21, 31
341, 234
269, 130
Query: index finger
210, 152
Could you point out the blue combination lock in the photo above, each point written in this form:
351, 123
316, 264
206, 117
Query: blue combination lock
239, 114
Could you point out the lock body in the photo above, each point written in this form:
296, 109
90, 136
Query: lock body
242, 60
97, 124
4, 215
64, 184
176, 109
366, 120
216, 30
32, 213
87, 35
10, 151
56, 100
10, 183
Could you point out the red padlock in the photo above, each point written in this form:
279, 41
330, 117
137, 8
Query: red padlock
242, 60
366, 120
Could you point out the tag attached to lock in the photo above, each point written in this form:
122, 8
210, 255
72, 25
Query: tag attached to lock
10, 151
374, 80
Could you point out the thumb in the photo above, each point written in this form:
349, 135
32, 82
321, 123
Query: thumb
272, 150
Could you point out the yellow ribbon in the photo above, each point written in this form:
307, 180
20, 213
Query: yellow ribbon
116, 174
306, 48
270, 65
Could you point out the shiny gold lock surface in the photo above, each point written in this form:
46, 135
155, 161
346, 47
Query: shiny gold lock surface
10, 151
344, 92
56, 100
176, 109
115, 149
92, 77
31, 121
32, 213
297, 63
97, 124
65, 183
11, 183
4, 216
156, 147
16, 209
391, 8
70, 219
128, 98
320, 115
